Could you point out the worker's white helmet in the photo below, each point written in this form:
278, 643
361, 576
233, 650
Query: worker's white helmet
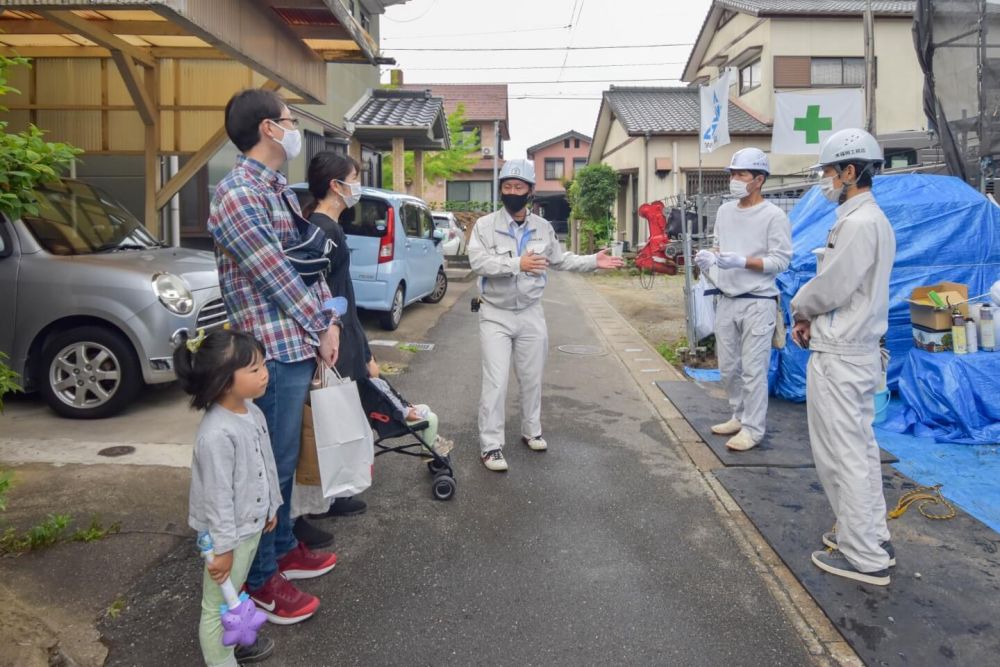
522, 170
851, 145
750, 159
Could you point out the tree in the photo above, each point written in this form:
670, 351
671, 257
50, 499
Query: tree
26, 159
590, 196
443, 164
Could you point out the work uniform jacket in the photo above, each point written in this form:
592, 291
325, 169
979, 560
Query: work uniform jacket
848, 300
495, 251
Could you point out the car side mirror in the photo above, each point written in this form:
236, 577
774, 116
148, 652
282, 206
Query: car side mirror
437, 235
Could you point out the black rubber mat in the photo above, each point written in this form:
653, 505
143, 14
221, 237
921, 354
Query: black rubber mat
943, 604
785, 445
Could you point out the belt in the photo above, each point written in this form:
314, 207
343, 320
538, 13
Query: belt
747, 295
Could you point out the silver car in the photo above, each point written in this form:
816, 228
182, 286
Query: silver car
92, 303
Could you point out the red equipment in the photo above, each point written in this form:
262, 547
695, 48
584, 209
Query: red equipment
658, 255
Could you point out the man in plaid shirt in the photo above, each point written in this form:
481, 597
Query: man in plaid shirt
251, 221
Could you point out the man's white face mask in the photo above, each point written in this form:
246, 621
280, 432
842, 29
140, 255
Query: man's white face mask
738, 189
831, 192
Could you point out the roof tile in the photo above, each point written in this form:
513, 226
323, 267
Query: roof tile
671, 110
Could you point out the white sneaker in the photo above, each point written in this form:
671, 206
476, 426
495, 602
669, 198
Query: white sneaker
742, 441
494, 460
727, 428
537, 444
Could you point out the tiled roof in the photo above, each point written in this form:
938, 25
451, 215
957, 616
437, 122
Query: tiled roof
482, 101
671, 111
572, 134
771, 7
401, 108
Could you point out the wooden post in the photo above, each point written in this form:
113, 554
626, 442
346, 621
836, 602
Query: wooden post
398, 164
151, 84
354, 149
418, 174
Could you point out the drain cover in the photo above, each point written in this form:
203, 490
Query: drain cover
120, 450
589, 350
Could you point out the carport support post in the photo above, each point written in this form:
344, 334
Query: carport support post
152, 153
398, 164
418, 173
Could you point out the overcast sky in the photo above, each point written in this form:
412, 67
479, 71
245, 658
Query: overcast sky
539, 111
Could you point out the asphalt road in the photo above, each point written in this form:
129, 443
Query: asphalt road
606, 549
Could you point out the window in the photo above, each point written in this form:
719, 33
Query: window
426, 223
749, 76
900, 157
368, 218
5, 249
578, 164
470, 190
713, 182
837, 71
576, 143
470, 130
366, 21
411, 220
554, 167
565, 143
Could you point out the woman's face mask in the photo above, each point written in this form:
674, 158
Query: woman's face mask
353, 197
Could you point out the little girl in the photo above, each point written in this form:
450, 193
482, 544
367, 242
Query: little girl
234, 481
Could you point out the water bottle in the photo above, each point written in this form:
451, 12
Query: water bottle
987, 334
958, 344
971, 338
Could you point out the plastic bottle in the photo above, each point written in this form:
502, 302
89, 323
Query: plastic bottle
971, 337
958, 344
987, 337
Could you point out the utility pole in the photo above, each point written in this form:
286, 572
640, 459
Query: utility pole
496, 156
870, 66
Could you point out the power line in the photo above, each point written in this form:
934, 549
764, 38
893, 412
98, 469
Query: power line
572, 34
661, 78
415, 18
544, 48
521, 67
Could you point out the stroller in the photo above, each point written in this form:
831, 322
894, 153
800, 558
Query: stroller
390, 424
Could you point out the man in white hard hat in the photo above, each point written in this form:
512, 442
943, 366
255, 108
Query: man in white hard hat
841, 315
755, 245
510, 250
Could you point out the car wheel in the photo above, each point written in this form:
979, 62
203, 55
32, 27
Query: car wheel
88, 373
390, 320
440, 288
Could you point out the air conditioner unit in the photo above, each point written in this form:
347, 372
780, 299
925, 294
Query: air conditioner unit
487, 151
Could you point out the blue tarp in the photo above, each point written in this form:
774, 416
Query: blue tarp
945, 230
967, 475
950, 398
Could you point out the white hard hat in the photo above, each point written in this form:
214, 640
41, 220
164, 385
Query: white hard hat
522, 170
750, 159
995, 293
851, 145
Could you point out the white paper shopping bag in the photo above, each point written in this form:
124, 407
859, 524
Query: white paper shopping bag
344, 441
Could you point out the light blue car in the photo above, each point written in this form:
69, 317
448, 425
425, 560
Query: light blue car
396, 253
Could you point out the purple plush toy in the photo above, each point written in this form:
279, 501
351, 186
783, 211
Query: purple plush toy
240, 617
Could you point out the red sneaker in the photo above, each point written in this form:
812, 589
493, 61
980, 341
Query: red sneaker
282, 602
301, 563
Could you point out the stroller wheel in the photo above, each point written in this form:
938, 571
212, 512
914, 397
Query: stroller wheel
437, 468
443, 487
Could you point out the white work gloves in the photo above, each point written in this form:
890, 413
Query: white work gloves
730, 260
705, 259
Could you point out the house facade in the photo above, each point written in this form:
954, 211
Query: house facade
141, 87
486, 111
557, 160
774, 46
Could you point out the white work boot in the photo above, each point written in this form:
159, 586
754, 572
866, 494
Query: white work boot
536, 444
495, 461
742, 441
727, 428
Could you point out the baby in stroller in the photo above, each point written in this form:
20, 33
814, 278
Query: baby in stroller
384, 404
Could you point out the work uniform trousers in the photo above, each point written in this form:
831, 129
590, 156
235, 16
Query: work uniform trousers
840, 390
743, 332
503, 334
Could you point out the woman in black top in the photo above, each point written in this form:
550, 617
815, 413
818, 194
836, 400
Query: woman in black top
334, 181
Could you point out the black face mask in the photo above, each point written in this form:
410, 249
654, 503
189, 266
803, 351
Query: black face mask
515, 203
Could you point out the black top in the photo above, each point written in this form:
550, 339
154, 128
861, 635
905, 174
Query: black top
354, 350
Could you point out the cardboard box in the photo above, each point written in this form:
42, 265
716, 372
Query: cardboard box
931, 340
924, 313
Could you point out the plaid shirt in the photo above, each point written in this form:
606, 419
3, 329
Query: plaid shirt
264, 294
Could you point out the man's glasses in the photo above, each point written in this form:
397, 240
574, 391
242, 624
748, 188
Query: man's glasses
293, 121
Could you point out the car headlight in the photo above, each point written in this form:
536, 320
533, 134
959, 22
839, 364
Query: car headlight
173, 293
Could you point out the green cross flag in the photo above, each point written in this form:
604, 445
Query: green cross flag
804, 120
812, 124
